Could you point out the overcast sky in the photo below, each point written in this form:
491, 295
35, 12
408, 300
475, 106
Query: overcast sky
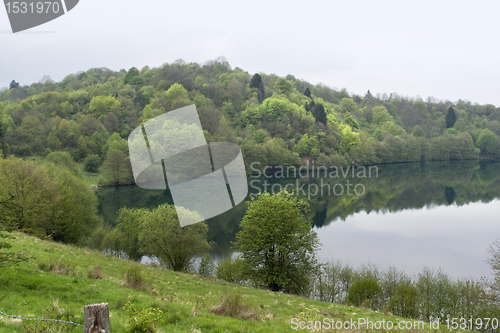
445, 49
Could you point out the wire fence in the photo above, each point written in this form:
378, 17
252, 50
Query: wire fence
41, 319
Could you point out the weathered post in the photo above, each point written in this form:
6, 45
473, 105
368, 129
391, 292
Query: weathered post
96, 318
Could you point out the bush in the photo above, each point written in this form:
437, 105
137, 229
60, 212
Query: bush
92, 163
232, 305
134, 278
144, 321
206, 267
404, 301
95, 273
361, 290
231, 270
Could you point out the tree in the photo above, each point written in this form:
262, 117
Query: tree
117, 167
162, 237
256, 81
277, 242
92, 163
368, 95
361, 290
319, 113
133, 77
450, 118
307, 92
13, 84
487, 141
418, 131
102, 105
347, 104
349, 119
381, 115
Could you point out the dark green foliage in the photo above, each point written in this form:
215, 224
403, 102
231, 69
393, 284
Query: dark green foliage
206, 267
449, 193
319, 113
232, 270
92, 163
451, 118
364, 289
13, 84
368, 95
256, 81
307, 92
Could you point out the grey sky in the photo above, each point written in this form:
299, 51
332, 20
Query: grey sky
445, 49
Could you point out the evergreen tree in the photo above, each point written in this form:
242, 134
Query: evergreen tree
307, 92
319, 113
368, 95
14, 84
256, 81
451, 118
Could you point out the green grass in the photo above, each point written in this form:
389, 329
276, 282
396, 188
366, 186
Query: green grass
58, 278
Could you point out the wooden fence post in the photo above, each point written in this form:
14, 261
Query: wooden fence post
96, 318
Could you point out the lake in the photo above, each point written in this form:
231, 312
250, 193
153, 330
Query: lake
408, 215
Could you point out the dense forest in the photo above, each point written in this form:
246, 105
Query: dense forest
275, 120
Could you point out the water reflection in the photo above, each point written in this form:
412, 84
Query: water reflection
411, 215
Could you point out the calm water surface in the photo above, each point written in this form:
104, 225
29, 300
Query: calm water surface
438, 214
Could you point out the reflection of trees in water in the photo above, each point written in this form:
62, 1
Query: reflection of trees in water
398, 187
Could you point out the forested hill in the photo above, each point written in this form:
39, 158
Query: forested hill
275, 120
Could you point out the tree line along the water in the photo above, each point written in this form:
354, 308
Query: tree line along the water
275, 120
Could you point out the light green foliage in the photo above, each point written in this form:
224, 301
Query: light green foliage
233, 270
487, 141
260, 136
102, 105
349, 139
65, 160
162, 237
276, 107
404, 301
251, 115
283, 86
347, 105
145, 321
307, 146
381, 115
129, 223
115, 142
46, 201
351, 120
277, 243
177, 96
364, 289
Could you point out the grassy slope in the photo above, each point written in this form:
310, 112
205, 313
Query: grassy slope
28, 291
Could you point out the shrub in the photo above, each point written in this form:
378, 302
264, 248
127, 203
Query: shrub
144, 321
231, 270
404, 301
366, 288
95, 273
206, 267
232, 305
134, 278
